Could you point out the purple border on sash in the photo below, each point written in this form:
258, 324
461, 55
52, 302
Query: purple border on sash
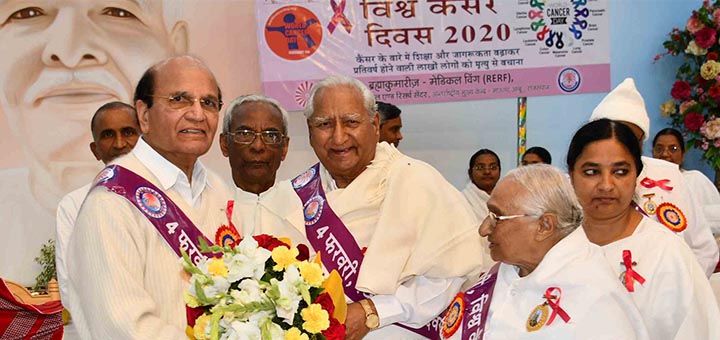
328, 235
169, 220
477, 305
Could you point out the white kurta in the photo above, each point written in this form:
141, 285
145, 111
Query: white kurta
64, 223
597, 304
252, 210
675, 301
415, 226
707, 196
697, 235
125, 280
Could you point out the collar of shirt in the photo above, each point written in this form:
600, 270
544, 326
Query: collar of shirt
170, 176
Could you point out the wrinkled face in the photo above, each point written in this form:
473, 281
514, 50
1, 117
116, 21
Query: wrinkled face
390, 131
604, 179
180, 134
342, 133
531, 158
62, 60
485, 172
511, 240
668, 148
116, 133
256, 162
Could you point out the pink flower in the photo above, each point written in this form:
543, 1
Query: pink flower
693, 121
684, 106
716, 17
680, 90
705, 145
717, 143
705, 37
694, 25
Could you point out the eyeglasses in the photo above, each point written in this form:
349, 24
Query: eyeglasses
481, 167
494, 219
248, 137
181, 101
672, 149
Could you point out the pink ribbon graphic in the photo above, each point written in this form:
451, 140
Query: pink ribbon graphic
339, 16
662, 184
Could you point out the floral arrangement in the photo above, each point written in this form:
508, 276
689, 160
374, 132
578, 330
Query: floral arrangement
263, 288
694, 107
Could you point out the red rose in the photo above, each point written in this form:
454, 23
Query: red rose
336, 331
268, 242
693, 121
714, 92
326, 303
304, 252
711, 56
705, 37
193, 313
680, 90
701, 81
676, 37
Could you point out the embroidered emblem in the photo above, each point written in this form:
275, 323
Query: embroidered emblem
537, 317
313, 210
104, 175
672, 217
151, 202
649, 206
304, 178
226, 236
453, 318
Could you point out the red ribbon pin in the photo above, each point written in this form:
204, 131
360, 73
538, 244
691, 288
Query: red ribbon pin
630, 274
554, 302
339, 16
662, 184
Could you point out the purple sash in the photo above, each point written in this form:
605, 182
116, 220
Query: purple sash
476, 306
328, 235
169, 220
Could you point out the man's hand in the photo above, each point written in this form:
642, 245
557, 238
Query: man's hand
355, 328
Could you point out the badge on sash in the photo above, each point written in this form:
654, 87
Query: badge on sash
672, 217
313, 210
649, 206
226, 236
151, 202
304, 178
537, 317
454, 316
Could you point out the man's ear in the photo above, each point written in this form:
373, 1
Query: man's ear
224, 144
285, 148
547, 226
93, 149
179, 38
143, 116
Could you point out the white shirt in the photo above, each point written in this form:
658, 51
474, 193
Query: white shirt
125, 280
707, 196
676, 300
415, 226
64, 223
697, 235
591, 295
251, 210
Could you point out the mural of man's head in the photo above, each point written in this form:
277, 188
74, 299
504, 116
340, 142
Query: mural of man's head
63, 59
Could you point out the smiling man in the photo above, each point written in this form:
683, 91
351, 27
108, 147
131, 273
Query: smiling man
254, 139
61, 60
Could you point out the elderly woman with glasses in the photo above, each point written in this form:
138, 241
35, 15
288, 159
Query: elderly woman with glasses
550, 282
668, 145
655, 266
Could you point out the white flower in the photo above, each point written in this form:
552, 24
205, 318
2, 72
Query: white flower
711, 129
694, 49
248, 330
248, 261
248, 291
288, 293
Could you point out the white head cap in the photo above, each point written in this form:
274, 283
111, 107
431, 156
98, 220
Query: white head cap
624, 103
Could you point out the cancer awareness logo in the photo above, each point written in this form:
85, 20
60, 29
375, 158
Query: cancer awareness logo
558, 22
293, 32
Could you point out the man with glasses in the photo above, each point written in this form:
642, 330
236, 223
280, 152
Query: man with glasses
255, 140
126, 281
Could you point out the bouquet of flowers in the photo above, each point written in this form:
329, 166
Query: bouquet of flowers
263, 288
695, 94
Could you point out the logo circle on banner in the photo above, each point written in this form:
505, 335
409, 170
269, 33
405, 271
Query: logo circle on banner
454, 316
569, 80
104, 175
671, 216
303, 179
151, 202
302, 93
293, 32
313, 210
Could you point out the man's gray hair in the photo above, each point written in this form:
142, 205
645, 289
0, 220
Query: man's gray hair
253, 98
547, 190
336, 80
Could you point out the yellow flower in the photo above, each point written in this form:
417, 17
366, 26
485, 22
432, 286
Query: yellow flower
217, 267
316, 319
295, 334
284, 257
668, 108
200, 326
710, 69
311, 272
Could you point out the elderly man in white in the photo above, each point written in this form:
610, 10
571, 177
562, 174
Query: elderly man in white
400, 235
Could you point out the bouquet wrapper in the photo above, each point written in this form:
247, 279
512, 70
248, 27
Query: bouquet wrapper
333, 286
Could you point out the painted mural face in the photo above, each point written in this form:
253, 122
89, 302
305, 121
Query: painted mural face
68, 58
